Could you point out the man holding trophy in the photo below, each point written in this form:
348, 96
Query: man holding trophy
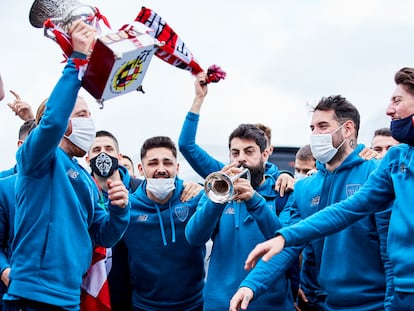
58, 218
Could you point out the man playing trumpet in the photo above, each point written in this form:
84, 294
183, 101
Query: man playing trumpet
236, 226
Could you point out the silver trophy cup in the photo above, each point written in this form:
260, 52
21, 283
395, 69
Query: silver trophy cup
62, 13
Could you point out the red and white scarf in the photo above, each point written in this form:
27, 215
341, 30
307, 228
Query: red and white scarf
174, 51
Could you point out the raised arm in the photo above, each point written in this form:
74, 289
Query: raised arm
375, 194
41, 145
200, 161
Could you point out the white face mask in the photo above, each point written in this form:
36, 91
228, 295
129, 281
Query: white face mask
83, 133
322, 147
160, 187
299, 176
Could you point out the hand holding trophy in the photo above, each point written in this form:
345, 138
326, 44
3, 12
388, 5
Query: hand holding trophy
56, 17
82, 35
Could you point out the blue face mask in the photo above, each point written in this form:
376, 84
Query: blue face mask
403, 130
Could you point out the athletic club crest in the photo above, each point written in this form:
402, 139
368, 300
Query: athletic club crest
351, 189
181, 212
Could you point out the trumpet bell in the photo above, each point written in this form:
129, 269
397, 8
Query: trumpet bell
219, 187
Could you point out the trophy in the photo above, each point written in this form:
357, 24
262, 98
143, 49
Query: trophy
61, 12
56, 16
119, 60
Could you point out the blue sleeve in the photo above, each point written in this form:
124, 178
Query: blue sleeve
108, 227
7, 210
374, 194
265, 218
202, 224
4, 238
201, 162
290, 213
9, 172
382, 220
40, 146
265, 274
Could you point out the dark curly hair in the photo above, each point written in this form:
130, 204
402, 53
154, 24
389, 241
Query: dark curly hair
344, 110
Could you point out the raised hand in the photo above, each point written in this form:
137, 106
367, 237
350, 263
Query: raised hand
21, 108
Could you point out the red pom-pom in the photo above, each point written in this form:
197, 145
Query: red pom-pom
215, 74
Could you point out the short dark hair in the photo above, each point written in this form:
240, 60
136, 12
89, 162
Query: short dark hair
110, 135
405, 77
158, 142
385, 131
343, 109
251, 132
124, 156
128, 158
305, 154
26, 128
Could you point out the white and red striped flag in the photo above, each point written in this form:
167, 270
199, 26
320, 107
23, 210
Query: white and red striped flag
95, 290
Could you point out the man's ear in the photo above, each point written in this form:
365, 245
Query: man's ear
69, 128
350, 128
266, 154
140, 169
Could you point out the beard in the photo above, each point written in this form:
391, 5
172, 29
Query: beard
339, 140
256, 174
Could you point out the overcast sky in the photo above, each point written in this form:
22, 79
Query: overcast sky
279, 57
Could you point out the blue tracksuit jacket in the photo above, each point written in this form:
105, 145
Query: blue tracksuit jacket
352, 266
235, 228
167, 273
375, 195
57, 213
355, 280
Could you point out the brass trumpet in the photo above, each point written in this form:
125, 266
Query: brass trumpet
219, 186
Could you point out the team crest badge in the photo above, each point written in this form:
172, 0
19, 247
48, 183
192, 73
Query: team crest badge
351, 189
182, 212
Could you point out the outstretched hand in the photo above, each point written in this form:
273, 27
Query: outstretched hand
265, 250
241, 299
